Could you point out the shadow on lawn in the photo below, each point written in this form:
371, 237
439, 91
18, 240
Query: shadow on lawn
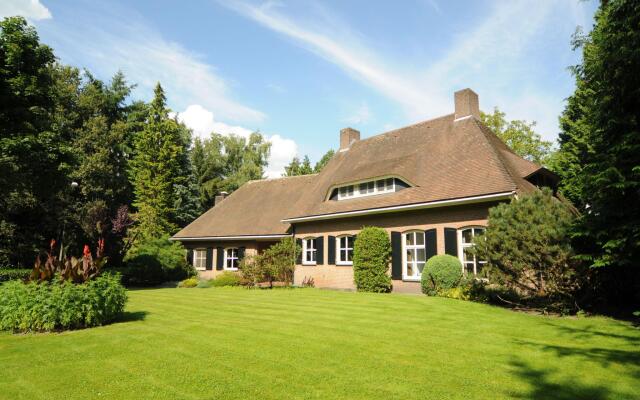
544, 387
590, 333
129, 316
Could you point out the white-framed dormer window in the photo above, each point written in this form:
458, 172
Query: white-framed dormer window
200, 259
367, 188
309, 251
344, 250
470, 262
414, 255
231, 259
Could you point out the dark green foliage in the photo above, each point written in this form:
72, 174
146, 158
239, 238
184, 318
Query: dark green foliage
275, 264
227, 278
371, 252
49, 306
296, 168
599, 158
441, 272
9, 274
188, 283
528, 249
154, 261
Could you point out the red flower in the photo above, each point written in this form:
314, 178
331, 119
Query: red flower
87, 251
52, 244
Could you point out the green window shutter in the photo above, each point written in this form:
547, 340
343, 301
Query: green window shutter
190, 256
451, 241
219, 258
331, 247
299, 258
209, 259
320, 250
430, 243
396, 255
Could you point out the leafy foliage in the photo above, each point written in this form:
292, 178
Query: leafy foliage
48, 306
599, 158
276, 263
156, 260
371, 252
227, 278
441, 272
520, 136
9, 274
188, 283
528, 249
70, 269
296, 168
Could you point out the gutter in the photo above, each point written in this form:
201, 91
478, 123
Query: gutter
406, 207
241, 237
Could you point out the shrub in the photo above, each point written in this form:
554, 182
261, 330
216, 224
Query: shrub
371, 252
276, 263
227, 278
204, 283
441, 272
528, 249
14, 274
48, 306
155, 261
188, 283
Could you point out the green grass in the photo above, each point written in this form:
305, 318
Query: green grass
306, 343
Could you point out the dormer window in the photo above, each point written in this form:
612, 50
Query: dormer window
368, 188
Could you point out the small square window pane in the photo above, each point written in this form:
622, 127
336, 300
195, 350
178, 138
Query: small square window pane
380, 184
409, 269
419, 238
466, 236
349, 255
410, 239
467, 254
468, 268
420, 268
389, 183
350, 241
421, 255
410, 255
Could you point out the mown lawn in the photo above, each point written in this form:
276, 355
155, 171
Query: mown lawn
306, 343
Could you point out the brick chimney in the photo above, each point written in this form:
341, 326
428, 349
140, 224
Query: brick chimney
467, 104
219, 197
347, 137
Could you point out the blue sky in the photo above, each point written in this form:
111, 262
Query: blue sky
300, 71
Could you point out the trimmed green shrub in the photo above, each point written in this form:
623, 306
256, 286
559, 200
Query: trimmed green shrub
52, 306
188, 283
204, 283
441, 272
227, 278
14, 274
155, 261
275, 264
371, 252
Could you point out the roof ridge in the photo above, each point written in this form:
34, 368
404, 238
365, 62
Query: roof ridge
281, 178
405, 127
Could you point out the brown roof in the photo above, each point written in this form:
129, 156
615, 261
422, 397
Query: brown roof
440, 158
256, 208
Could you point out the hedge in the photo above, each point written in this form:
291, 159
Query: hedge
14, 274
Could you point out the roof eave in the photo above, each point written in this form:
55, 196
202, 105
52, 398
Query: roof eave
406, 207
223, 238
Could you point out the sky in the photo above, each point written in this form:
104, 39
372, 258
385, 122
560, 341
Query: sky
300, 71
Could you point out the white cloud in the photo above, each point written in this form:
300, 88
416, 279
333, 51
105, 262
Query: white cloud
491, 57
360, 116
30, 9
111, 38
202, 123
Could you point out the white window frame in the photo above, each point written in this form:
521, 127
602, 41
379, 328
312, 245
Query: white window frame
417, 274
462, 246
233, 258
339, 261
352, 190
199, 255
309, 250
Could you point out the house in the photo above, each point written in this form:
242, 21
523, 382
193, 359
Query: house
430, 185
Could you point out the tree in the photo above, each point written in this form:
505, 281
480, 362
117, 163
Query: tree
323, 161
371, 252
600, 148
519, 136
296, 168
155, 169
527, 245
33, 157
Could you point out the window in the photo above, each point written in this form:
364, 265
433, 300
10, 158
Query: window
231, 258
368, 188
414, 255
309, 251
470, 263
200, 259
344, 250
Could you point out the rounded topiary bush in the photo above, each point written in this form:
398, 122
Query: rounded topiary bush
441, 272
50, 306
371, 252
